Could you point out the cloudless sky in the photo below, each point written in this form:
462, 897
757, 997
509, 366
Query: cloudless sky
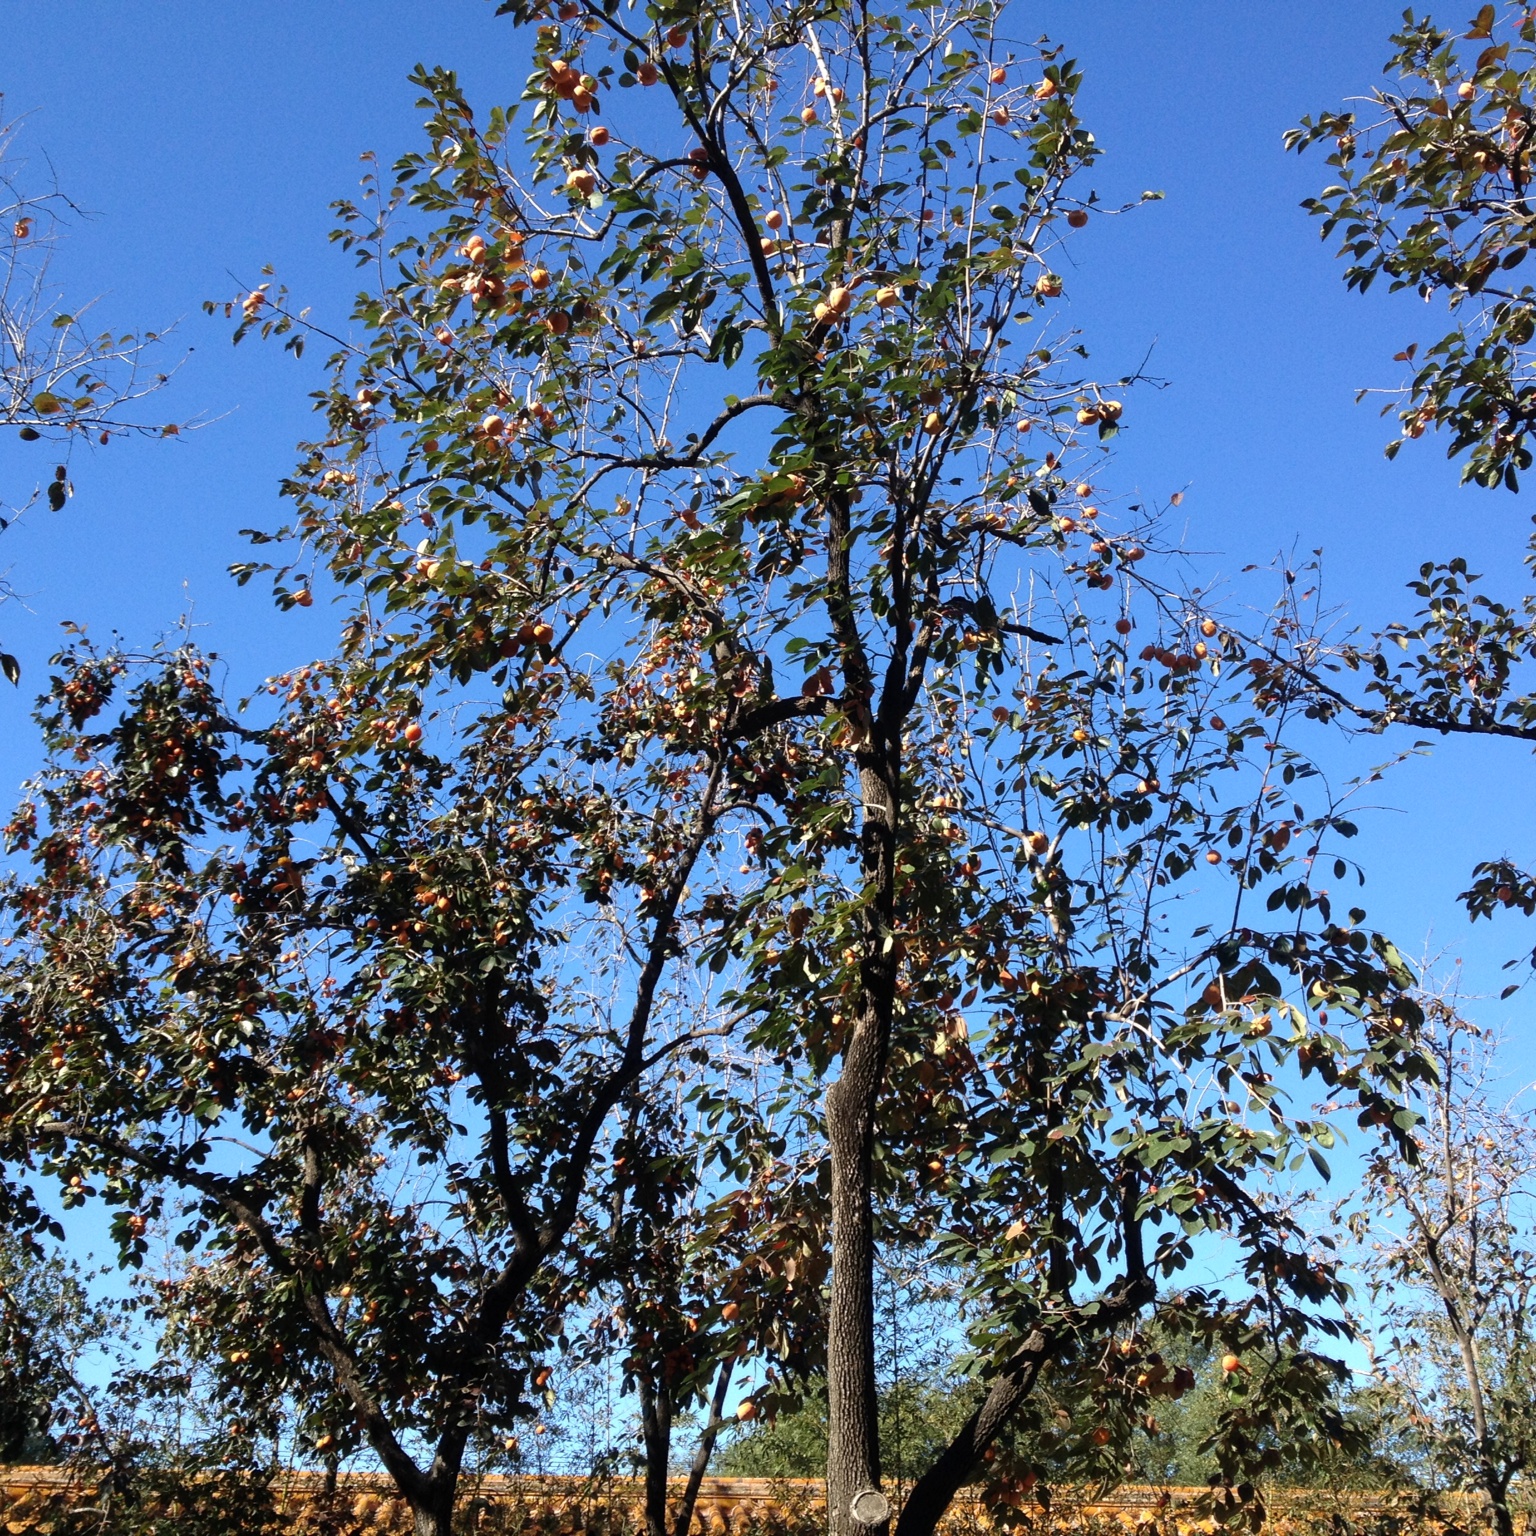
204, 140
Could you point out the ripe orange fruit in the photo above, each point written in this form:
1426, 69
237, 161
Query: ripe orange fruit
581, 181
647, 73
1048, 285
886, 298
1212, 857
304, 597
558, 321
542, 634
1086, 416
731, 1311
1466, 91
998, 75
597, 136
839, 300
773, 219
808, 115
1110, 410
1122, 626
933, 422
1101, 1436
1045, 90
412, 733
1231, 1364
1208, 627
538, 278
1002, 116
746, 1411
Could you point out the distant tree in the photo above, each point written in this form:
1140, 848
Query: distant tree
1450, 1245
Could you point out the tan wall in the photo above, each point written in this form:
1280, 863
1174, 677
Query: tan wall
45, 1501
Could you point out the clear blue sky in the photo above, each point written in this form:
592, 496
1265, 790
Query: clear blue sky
207, 140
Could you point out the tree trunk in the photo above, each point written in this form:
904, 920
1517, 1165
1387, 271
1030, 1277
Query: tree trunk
656, 1428
434, 1518
703, 1451
935, 1490
1497, 1486
432, 1506
853, 1438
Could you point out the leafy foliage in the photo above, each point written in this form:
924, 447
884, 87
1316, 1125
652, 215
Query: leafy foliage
1433, 194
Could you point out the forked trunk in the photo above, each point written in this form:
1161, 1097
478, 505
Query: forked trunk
656, 1428
432, 1513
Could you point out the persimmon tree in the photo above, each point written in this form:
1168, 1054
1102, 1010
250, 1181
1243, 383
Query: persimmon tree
722, 631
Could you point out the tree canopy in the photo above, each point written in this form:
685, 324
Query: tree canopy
760, 813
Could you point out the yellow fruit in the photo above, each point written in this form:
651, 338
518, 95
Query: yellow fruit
773, 219
746, 1411
581, 181
839, 300
1045, 90
538, 277
886, 298
933, 422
